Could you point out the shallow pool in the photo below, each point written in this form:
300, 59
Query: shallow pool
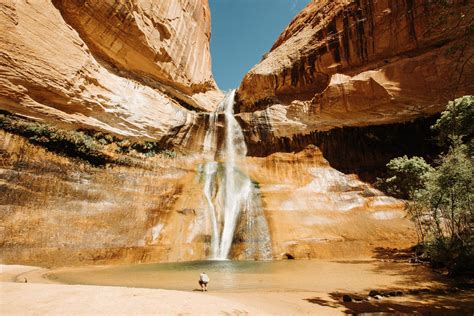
290, 275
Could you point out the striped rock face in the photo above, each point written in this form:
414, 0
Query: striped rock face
58, 212
128, 67
361, 63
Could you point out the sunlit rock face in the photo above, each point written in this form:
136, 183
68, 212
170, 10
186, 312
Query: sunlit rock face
165, 41
358, 63
316, 211
56, 211
131, 68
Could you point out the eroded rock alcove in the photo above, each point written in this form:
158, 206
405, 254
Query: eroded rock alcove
347, 86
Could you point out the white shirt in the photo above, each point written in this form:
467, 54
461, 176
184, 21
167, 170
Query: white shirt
204, 277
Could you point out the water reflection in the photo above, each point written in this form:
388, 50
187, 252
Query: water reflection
290, 275
218, 266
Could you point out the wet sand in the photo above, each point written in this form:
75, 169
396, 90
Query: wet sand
255, 288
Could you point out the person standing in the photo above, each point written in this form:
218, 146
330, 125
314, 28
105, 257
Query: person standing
203, 281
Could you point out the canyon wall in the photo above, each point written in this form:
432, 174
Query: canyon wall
316, 211
58, 211
132, 68
359, 63
139, 70
347, 86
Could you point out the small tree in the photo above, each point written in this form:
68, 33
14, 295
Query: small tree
448, 197
457, 123
406, 176
441, 198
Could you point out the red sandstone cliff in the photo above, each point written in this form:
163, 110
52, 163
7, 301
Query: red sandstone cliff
359, 63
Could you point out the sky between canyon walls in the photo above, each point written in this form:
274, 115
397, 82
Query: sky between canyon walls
243, 31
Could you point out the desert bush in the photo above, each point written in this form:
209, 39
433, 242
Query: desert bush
67, 142
88, 145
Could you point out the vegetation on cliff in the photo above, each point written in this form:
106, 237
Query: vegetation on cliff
441, 197
96, 148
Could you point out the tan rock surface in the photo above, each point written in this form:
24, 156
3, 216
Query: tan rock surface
315, 211
163, 44
137, 68
358, 63
58, 212
110, 76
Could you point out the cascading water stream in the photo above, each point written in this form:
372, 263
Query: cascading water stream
210, 170
230, 195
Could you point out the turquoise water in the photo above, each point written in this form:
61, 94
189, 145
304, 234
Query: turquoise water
217, 266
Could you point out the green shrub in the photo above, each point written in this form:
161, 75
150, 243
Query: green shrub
456, 122
88, 145
441, 197
406, 176
69, 143
167, 153
448, 199
149, 149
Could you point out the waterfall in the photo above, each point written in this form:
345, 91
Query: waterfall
232, 200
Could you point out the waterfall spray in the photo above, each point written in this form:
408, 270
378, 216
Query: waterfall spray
230, 195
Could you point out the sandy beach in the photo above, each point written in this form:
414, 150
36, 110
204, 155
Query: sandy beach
43, 296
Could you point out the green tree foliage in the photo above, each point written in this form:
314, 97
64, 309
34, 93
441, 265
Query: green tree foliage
443, 211
92, 146
441, 197
406, 176
456, 122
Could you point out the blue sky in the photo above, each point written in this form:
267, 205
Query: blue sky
244, 30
